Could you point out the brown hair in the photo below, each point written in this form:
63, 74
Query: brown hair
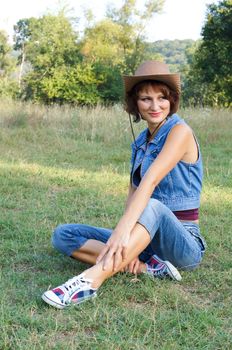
132, 97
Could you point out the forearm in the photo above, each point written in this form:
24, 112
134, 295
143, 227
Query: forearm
129, 196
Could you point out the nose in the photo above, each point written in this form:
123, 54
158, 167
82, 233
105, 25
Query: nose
154, 104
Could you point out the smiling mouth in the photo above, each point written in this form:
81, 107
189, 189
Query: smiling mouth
155, 114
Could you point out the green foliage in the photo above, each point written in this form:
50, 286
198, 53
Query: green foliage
85, 71
117, 45
174, 51
22, 34
50, 47
101, 43
63, 84
210, 78
133, 23
8, 85
6, 61
110, 86
52, 42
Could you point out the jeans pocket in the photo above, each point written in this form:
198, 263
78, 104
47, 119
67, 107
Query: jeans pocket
194, 230
196, 234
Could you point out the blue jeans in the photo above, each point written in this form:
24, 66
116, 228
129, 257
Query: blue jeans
178, 242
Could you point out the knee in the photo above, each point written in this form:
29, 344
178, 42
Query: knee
189, 263
59, 238
152, 216
155, 207
154, 203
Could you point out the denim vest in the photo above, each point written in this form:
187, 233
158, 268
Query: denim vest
180, 189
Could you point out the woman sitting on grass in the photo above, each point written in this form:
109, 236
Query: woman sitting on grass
159, 230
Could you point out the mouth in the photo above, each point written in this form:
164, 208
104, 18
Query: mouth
155, 114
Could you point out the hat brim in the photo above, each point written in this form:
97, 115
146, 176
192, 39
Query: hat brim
171, 80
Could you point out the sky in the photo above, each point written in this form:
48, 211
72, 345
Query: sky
181, 19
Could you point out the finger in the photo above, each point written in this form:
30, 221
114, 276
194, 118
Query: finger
102, 254
131, 266
108, 259
124, 253
136, 266
126, 268
117, 259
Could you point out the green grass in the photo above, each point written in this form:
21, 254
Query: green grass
63, 164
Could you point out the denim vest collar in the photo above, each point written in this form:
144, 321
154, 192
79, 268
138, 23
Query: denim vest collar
142, 139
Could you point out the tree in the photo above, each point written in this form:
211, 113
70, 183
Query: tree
64, 84
65, 69
6, 61
8, 85
210, 77
117, 45
133, 23
49, 45
100, 48
101, 43
21, 37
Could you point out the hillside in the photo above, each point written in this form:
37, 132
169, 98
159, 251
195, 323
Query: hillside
174, 51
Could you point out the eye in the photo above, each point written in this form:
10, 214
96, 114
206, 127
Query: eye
144, 99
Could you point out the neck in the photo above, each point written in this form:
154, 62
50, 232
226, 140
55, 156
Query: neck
155, 129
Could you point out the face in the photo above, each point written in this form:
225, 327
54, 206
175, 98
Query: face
153, 106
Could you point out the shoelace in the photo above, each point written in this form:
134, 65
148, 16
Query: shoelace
161, 272
72, 285
158, 272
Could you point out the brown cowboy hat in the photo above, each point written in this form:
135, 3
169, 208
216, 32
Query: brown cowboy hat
153, 70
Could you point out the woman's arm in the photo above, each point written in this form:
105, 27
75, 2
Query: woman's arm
174, 149
131, 191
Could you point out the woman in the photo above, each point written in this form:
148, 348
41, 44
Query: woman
159, 230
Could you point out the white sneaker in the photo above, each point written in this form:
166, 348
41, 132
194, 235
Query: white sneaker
75, 291
162, 269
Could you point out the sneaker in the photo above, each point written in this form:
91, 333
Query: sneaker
162, 269
75, 291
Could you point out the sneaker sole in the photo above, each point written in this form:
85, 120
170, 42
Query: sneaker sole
61, 306
173, 272
52, 303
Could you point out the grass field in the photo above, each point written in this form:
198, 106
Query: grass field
62, 165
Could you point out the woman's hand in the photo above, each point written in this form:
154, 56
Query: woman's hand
115, 250
135, 266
